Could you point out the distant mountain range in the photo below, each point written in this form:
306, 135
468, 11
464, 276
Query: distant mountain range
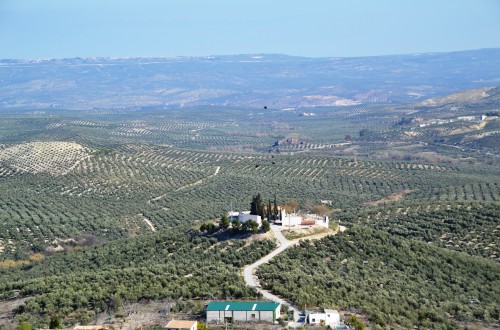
275, 81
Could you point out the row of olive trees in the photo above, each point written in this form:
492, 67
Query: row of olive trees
395, 282
176, 264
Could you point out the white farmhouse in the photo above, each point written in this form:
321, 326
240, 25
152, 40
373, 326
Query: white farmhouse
244, 216
329, 318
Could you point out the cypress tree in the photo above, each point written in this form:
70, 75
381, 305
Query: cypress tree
256, 207
275, 210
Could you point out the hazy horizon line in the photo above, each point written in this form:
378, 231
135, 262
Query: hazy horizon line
243, 54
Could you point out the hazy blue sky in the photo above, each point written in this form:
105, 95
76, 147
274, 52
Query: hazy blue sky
71, 28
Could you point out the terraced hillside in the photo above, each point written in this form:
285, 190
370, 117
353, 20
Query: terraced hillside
85, 185
395, 282
137, 189
471, 228
60, 171
43, 157
175, 264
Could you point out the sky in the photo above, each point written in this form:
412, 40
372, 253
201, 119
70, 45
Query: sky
315, 28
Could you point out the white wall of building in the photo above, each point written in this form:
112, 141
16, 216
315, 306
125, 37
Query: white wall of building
328, 318
246, 216
323, 223
233, 215
291, 220
242, 316
266, 316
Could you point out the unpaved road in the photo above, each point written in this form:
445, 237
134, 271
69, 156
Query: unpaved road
253, 281
199, 181
148, 222
189, 185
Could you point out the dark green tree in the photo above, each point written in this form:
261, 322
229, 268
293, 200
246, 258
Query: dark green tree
275, 209
224, 222
251, 226
236, 225
269, 210
55, 322
208, 227
266, 226
256, 206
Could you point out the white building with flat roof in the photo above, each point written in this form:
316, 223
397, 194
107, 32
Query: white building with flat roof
329, 318
244, 216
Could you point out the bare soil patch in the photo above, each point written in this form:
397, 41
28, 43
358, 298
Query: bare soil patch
394, 197
7, 309
307, 233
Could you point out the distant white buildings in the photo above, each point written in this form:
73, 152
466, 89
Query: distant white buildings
470, 118
479, 118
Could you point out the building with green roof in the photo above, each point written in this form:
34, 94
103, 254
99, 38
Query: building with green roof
242, 311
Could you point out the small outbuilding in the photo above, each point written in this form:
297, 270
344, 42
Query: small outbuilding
229, 311
181, 325
329, 318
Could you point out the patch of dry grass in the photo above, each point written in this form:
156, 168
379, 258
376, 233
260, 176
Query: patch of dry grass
9, 263
310, 232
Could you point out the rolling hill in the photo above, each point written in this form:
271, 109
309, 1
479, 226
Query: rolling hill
241, 80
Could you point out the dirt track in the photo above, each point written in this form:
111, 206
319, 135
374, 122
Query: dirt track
253, 281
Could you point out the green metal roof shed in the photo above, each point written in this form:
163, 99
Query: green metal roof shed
242, 306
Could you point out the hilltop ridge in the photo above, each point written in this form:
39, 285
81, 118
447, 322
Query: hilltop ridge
253, 80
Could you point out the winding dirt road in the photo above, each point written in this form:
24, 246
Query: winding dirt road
253, 281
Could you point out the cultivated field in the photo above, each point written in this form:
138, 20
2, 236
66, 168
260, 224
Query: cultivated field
92, 183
